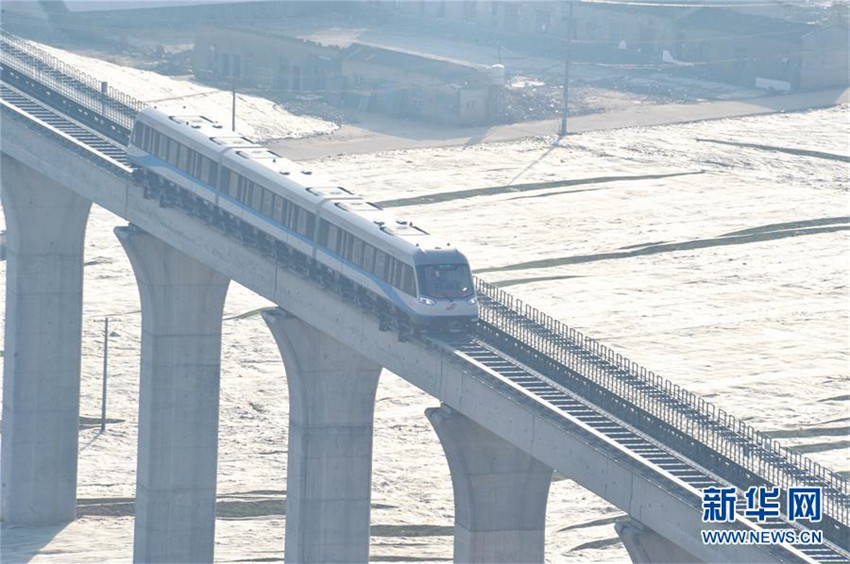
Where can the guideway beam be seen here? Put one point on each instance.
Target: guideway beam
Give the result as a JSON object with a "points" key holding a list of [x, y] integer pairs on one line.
{"points": [[329, 462], [500, 492], [46, 225], [182, 305]]}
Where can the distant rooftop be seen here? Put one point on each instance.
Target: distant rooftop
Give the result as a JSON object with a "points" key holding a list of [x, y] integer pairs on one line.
{"points": [[112, 5], [447, 70]]}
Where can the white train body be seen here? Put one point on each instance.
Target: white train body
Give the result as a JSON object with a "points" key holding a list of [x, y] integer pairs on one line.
{"points": [[425, 279]]}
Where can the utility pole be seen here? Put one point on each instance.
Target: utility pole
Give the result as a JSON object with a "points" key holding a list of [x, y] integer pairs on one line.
{"points": [[103, 391], [568, 54], [233, 107]]}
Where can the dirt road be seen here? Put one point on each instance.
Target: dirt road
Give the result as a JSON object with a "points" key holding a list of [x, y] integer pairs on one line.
{"points": [[377, 133]]}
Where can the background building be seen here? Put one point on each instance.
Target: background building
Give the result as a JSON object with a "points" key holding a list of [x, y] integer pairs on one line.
{"points": [[352, 74]]}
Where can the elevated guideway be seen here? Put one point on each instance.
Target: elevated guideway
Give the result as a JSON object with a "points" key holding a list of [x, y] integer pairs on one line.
{"points": [[642, 443]]}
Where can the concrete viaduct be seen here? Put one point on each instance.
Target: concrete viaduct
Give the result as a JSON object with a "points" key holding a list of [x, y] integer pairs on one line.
{"points": [[521, 397]]}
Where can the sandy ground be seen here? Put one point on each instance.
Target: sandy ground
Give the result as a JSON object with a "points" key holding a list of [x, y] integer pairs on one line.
{"points": [[721, 267]]}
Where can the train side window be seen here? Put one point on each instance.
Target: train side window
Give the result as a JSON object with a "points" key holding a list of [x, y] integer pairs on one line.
{"points": [[141, 135], [341, 243], [195, 164], [268, 203], [368, 257], [380, 264], [173, 151], [390, 271], [339, 246], [165, 148], [397, 273], [233, 190], [310, 229], [357, 256], [333, 233], [247, 192], [224, 180], [280, 209], [189, 162], [323, 233], [212, 175], [292, 216], [183, 158], [240, 189], [154, 149], [408, 285], [162, 149], [349, 246]]}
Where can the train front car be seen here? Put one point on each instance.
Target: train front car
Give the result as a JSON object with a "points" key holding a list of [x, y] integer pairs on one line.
{"points": [[446, 299]]}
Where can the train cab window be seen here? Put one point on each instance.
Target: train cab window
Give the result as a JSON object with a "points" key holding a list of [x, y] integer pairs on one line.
{"points": [[445, 281]]}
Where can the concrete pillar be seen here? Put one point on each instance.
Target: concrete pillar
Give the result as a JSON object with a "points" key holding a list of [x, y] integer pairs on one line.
{"points": [[645, 546], [500, 492], [329, 465], [182, 303], [46, 226]]}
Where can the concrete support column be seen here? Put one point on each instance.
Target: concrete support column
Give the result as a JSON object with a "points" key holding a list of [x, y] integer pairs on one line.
{"points": [[182, 304], [329, 465], [46, 226], [645, 546], [500, 492]]}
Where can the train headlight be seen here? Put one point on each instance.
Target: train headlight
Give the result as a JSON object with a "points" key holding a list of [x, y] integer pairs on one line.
{"points": [[472, 301], [427, 301]]}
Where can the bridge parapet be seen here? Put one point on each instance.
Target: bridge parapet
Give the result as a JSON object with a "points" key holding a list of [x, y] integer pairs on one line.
{"points": [[659, 408], [93, 101]]}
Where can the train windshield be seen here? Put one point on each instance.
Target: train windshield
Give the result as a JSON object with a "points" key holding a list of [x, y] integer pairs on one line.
{"points": [[445, 281]]}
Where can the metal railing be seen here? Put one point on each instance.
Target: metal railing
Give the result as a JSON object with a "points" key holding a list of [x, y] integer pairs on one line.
{"points": [[706, 423], [65, 80]]}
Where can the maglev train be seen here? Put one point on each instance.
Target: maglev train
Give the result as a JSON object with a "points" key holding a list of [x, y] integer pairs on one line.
{"points": [[335, 235]]}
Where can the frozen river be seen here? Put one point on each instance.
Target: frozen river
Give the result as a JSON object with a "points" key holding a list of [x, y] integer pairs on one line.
{"points": [[721, 267]]}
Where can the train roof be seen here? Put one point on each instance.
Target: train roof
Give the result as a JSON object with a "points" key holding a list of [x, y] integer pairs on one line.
{"points": [[240, 152]]}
